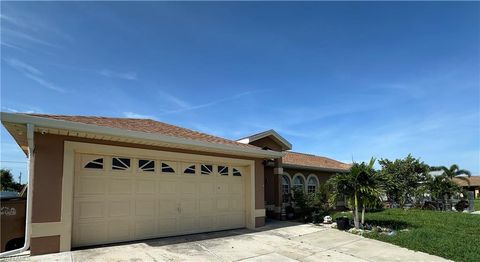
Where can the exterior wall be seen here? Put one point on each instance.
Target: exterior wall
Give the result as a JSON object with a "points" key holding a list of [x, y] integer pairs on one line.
{"points": [[44, 245], [274, 191], [321, 175], [267, 142], [48, 175]]}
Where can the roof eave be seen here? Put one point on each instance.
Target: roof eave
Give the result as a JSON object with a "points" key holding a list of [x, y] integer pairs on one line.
{"points": [[41, 122], [333, 170]]}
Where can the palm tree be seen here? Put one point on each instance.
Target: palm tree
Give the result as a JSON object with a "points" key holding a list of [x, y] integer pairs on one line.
{"points": [[453, 171], [444, 182], [359, 185]]}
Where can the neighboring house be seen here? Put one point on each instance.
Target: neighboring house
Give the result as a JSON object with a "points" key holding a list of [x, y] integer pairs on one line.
{"points": [[98, 180], [470, 184]]}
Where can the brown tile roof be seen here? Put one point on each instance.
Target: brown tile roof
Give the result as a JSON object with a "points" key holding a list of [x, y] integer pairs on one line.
{"points": [[307, 160], [474, 181], [145, 125]]}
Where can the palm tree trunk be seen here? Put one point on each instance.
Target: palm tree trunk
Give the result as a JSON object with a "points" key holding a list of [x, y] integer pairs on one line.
{"points": [[363, 214], [355, 216]]}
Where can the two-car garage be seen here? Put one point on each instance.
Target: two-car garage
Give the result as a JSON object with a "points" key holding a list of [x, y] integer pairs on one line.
{"points": [[123, 197]]}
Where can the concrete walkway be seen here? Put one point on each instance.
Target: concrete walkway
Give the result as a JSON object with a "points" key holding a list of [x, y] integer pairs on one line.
{"points": [[279, 241]]}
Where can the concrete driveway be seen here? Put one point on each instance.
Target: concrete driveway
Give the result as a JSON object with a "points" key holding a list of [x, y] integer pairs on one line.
{"points": [[278, 241]]}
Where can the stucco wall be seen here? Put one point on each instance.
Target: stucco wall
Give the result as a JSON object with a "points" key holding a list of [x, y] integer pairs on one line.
{"points": [[48, 172], [267, 142]]}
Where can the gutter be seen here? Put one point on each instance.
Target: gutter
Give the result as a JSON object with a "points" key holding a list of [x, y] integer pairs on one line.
{"points": [[40, 122], [315, 168], [28, 214]]}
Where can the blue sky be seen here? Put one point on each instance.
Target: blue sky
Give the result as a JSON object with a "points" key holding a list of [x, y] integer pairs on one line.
{"points": [[343, 80]]}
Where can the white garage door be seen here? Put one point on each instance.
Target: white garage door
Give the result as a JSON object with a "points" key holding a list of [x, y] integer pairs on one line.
{"points": [[123, 198]]}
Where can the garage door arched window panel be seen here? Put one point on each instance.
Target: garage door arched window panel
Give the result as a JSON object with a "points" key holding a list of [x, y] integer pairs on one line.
{"points": [[299, 182], [222, 170], [168, 168], [189, 169], [146, 165], [120, 163], [236, 172], [312, 184], [206, 169], [95, 164]]}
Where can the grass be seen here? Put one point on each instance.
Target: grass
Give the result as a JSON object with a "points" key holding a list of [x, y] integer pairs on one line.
{"points": [[477, 204], [450, 235]]}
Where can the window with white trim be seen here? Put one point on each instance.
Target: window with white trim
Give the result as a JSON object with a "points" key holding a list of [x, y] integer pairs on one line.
{"points": [[146, 165], [286, 188], [189, 170], [166, 168], [299, 182], [95, 164], [206, 169], [222, 170], [120, 163], [236, 172], [312, 184]]}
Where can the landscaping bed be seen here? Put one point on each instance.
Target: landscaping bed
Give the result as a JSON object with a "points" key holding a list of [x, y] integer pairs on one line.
{"points": [[451, 235]]}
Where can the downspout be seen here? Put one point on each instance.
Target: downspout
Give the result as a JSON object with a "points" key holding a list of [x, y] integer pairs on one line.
{"points": [[28, 215]]}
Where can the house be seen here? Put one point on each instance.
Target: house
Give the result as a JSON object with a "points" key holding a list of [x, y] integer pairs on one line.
{"points": [[97, 180], [470, 184]]}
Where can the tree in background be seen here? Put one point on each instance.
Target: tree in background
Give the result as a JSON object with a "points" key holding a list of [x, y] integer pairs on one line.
{"points": [[7, 182], [402, 178], [443, 184]]}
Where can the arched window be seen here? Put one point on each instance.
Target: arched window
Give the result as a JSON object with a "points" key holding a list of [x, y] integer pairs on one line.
{"points": [[299, 182], [286, 188], [312, 184]]}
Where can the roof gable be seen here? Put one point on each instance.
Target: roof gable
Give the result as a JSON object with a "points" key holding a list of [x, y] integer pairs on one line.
{"points": [[284, 144]]}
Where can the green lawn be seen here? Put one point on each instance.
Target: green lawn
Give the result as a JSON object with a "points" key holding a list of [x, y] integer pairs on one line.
{"points": [[477, 204], [450, 235]]}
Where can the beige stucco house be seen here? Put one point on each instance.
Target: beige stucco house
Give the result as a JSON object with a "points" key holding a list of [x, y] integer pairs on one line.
{"points": [[97, 180]]}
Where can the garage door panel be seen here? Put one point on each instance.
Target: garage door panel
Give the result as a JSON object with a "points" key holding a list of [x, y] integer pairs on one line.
{"points": [[114, 206], [167, 226], [119, 186], [86, 186], [186, 188], [145, 207], [206, 206], [206, 223], [145, 228], [168, 207], [188, 224], [90, 209], [91, 233], [118, 230], [145, 186], [222, 204], [119, 208], [206, 189], [188, 206], [167, 187]]}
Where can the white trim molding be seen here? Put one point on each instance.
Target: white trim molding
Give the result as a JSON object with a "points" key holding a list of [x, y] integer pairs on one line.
{"points": [[283, 142]]}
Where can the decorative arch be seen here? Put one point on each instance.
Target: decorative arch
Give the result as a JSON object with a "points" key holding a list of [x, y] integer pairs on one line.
{"points": [[299, 181], [312, 183], [286, 187]]}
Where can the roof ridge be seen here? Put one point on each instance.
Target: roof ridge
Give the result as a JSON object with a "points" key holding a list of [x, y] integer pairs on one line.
{"points": [[90, 116]]}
